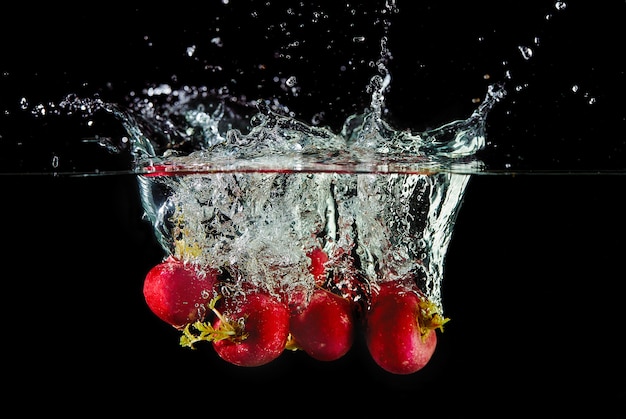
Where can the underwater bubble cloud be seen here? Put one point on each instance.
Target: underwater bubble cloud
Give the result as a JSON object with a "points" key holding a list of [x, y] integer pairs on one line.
{"points": [[352, 226]]}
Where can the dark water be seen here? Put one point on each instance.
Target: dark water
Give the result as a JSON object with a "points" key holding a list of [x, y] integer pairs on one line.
{"points": [[533, 271], [533, 289]]}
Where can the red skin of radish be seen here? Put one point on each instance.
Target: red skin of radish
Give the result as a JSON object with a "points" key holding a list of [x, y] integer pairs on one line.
{"points": [[393, 331], [325, 328], [266, 326], [296, 298], [318, 268], [176, 293]]}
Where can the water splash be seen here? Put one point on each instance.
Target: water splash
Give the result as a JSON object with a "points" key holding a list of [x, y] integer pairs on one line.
{"points": [[245, 187], [197, 129], [249, 189]]}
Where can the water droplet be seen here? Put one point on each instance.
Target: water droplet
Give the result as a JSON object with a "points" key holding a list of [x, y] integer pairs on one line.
{"points": [[163, 89], [575, 88], [291, 81], [191, 50], [391, 5], [55, 161], [560, 5], [317, 118], [527, 52], [40, 110]]}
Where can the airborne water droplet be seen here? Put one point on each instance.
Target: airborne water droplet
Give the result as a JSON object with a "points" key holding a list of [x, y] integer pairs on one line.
{"points": [[527, 52]]}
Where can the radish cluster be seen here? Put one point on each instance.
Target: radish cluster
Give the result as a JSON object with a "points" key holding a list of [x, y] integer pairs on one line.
{"points": [[255, 326]]}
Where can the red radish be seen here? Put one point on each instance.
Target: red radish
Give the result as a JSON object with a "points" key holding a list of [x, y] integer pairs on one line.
{"points": [[166, 170], [400, 325], [318, 264], [177, 293], [296, 298], [325, 328], [256, 329]]}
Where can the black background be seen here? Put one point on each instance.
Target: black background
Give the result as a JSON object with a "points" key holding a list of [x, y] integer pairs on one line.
{"points": [[533, 274]]}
